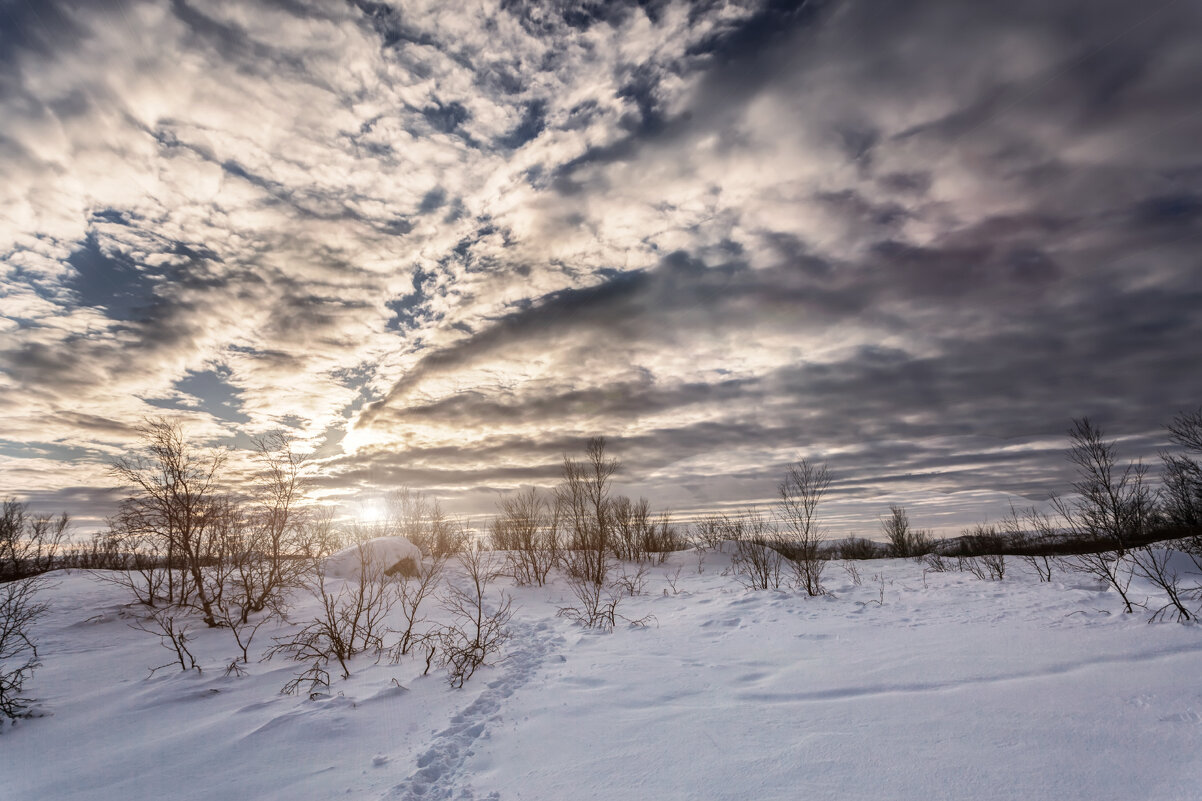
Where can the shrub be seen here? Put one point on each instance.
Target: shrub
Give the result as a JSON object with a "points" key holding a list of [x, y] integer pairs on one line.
{"points": [[477, 631]]}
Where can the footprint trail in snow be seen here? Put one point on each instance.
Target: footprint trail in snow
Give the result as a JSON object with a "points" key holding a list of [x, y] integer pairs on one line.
{"points": [[439, 767]]}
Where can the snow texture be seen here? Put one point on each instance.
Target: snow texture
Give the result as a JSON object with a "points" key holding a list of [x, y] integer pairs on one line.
{"points": [[909, 685]]}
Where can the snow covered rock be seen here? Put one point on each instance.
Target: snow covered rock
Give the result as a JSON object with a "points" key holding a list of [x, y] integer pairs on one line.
{"points": [[390, 555]]}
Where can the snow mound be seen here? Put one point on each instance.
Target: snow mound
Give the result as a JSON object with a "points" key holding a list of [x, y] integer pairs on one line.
{"points": [[383, 553]]}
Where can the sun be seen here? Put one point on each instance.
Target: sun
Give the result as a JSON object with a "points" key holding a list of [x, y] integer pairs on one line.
{"points": [[370, 511]]}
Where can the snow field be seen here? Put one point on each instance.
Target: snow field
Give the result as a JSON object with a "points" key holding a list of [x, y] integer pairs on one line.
{"points": [[951, 688]]}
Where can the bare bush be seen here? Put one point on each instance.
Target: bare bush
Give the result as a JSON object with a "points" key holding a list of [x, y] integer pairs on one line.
{"points": [[661, 538], [672, 579], [1156, 565], [641, 537], [905, 541], [709, 532], [352, 618], [801, 492], [858, 548], [138, 563], [937, 563], [757, 562], [477, 631], [992, 566], [412, 592], [421, 520], [980, 552], [852, 571], [632, 583], [527, 530], [20, 608], [596, 605], [1032, 535], [172, 631]]}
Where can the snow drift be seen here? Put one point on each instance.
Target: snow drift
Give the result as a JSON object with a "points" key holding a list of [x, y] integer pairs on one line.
{"points": [[388, 554]]}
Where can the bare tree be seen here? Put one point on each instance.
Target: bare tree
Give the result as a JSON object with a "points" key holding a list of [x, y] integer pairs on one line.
{"points": [[270, 541], [630, 522], [1113, 504], [29, 545], [1183, 473], [801, 492], [1111, 508], [586, 510], [20, 608], [174, 498], [138, 562]]}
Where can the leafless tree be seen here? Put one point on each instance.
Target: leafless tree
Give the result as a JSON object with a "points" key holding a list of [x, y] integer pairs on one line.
{"points": [[804, 487], [630, 522], [1111, 508], [1183, 473], [1113, 504], [527, 530], [708, 532], [20, 608], [584, 502], [478, 630], [270, 539], [174, 498], [29, 545], [138, 563]]}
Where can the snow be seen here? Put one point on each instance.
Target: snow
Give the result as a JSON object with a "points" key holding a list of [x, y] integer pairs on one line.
{"points": [[381, 553], [908, 686]]}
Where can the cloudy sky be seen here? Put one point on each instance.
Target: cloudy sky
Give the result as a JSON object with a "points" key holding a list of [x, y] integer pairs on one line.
{"points": [[443, 243]]}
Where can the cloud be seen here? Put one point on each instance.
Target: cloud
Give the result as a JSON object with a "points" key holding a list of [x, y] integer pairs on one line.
{"points": [[444, 245]]}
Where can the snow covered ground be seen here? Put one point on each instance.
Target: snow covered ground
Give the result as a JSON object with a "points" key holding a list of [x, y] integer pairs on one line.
{"points": [[950, 687]]}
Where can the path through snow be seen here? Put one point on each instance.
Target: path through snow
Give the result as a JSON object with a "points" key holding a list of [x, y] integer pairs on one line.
{"points": [[440, 767]]}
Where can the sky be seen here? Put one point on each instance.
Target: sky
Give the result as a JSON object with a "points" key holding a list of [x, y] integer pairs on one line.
{"points": [[442, 244]]}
